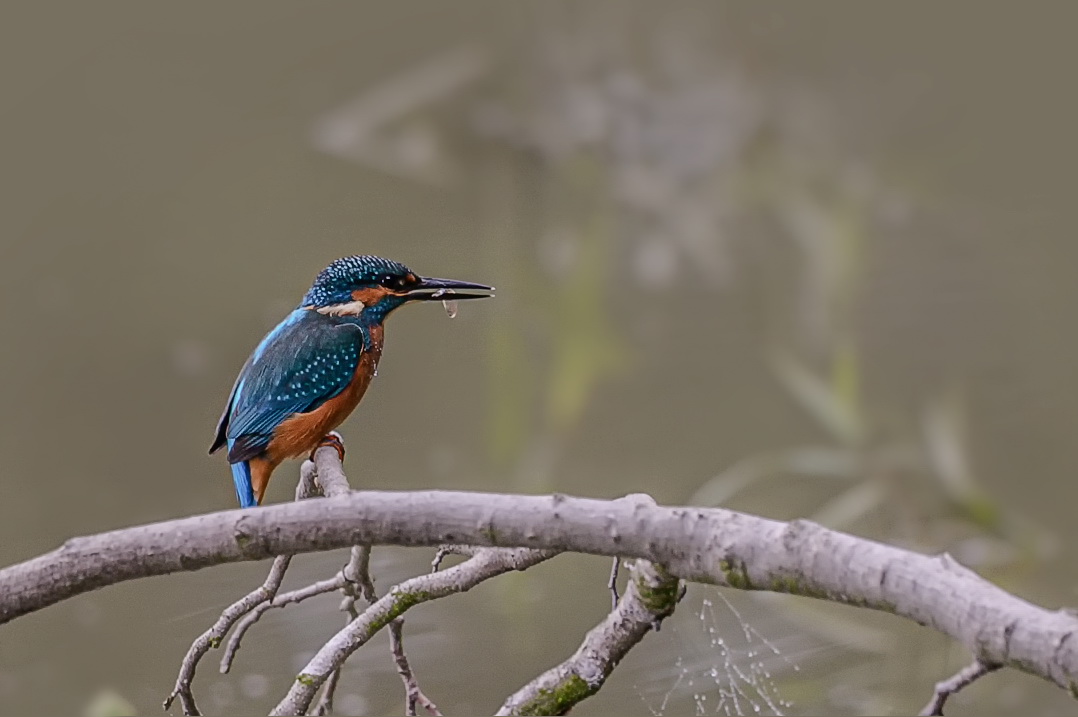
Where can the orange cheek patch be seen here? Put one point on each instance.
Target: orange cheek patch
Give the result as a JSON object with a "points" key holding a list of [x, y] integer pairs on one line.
{"points": [[370, 295]]}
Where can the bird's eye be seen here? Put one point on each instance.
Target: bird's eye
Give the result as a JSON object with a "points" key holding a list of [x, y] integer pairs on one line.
{"points": [[396, 283]]}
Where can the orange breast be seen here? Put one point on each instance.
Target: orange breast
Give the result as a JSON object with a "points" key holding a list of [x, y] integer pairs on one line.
{"points": [[300, 433]]}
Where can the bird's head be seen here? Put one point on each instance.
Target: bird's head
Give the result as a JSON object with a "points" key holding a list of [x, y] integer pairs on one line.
{"points": [[371, 286]]}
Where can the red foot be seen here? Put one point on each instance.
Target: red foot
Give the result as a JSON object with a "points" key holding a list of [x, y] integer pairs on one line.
{"points": [[333, 440]]}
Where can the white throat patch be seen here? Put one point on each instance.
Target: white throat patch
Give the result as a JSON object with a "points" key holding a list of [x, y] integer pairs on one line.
{"points": [[352, 308]]}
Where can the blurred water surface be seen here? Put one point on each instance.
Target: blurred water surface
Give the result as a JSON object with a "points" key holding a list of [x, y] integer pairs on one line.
{"points": [[804, 261]]}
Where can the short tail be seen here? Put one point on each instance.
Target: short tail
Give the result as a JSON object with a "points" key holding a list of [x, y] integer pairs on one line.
{"points": [[241, 476]]}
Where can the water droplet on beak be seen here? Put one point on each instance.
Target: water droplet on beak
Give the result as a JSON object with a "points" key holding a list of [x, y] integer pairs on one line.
{"points": [[449, 305]]}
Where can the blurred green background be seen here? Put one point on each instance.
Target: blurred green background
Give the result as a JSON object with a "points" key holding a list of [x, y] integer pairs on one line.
{"points": [[802, 260]]}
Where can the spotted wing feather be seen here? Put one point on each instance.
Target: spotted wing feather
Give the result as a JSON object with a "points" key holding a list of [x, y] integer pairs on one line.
{"points": [[307, 360]]}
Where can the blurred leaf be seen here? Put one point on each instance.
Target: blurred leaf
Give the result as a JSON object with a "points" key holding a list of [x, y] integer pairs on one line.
{"points": [[945, 445], [511, 395], [585, 345], [371, 129], [822, 462], [851, 233], [819, 399], [511, 392], [577, 369], [852, 504], [721, 488], [983, 510], [809, 462], [846, 378], [109, 703]]}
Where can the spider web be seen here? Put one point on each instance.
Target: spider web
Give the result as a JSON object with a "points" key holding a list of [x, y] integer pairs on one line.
{"points": [[720, 670]]}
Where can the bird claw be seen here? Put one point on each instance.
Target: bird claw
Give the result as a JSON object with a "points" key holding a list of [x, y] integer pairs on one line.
{"points": [[334, 441]]}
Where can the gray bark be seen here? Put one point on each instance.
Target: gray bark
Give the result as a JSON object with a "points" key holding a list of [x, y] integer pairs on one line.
{"points": [[715, 546]]}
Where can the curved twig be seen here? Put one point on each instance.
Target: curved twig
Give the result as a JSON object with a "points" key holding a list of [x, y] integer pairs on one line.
{"points": [[413, 696], [954, 684], [212, 637], [289, 598]]}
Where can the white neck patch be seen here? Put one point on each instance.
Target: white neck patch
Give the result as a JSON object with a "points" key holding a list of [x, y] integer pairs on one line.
{"points": [[352, 308]]}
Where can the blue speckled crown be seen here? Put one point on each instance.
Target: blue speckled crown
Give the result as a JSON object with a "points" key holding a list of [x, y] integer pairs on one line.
{"points": [[335, 283]]}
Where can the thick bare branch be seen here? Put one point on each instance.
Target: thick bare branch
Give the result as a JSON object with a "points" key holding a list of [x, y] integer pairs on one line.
{"points": [[651, 596], [423, 588], [704, 545]]}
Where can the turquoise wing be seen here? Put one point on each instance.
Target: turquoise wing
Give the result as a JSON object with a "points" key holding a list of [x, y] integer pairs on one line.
{"points": [[305, 361]]}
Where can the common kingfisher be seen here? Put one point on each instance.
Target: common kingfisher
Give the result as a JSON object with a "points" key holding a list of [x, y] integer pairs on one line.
{"points": [[309, 373]]}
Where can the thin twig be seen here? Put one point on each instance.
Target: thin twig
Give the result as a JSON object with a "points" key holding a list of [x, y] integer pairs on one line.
{"points": [[331, 477], [324, 706], [308, 478], [289, 598], [612, 583], [459, 578], [355, 573], [952, 685], [413, 695], [358, 572], [212, 637], [445, 551]]}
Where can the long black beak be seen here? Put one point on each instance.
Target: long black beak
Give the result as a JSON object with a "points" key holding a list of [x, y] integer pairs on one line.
{"points": [[449, 289]]}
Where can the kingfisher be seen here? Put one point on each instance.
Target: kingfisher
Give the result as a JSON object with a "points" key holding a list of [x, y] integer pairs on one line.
{"points": [[310, 372]]}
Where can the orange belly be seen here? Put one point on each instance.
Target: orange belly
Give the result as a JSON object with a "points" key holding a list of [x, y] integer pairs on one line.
{"points": [[301, 433]]}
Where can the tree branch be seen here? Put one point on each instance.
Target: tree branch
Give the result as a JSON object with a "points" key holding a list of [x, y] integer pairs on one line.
{"points": [[715, 546], [651, 596]]}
